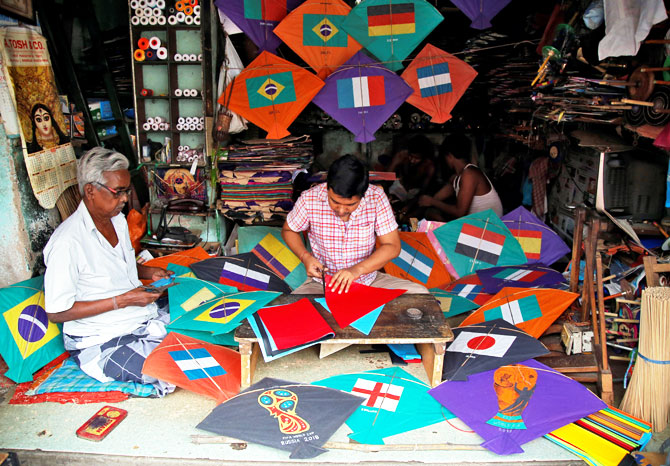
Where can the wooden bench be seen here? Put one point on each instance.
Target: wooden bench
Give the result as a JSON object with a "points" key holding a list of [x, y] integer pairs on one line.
{"points": [[430, 333]]}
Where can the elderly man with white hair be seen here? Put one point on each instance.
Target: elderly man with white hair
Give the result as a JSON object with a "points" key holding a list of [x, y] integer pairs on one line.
{"points": [[92, 286]]}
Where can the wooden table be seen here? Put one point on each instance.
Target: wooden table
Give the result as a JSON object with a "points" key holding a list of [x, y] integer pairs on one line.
{"points": [[430, 333]]}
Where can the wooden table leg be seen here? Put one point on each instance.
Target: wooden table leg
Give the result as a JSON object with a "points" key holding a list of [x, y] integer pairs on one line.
{"points": [[248, 357], [577, 237], [432, 356]]}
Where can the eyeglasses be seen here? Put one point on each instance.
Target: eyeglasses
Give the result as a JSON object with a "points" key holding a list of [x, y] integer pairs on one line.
{"points": [[117, 193]]}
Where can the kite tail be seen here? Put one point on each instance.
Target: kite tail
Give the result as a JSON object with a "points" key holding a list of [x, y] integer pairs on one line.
{"points": [[481, 22]]}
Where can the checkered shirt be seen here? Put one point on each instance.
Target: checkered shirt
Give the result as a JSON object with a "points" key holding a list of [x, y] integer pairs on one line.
{"points": [[340, 245]]}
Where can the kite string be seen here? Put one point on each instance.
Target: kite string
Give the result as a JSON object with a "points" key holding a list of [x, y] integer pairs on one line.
{"points": [[481, 238], [481, 342]]}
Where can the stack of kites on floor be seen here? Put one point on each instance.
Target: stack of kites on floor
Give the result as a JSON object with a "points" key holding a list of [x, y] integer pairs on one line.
{"points": [[255, 178]]}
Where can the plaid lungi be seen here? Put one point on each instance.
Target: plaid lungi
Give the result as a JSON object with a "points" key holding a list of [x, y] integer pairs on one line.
{"points": [[122, 357]]}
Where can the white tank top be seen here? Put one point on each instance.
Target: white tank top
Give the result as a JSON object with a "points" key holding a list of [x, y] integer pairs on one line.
{"points": [[490, 200]]}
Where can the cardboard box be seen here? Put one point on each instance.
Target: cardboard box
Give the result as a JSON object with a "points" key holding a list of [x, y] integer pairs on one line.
{"points": [[100, 109]]}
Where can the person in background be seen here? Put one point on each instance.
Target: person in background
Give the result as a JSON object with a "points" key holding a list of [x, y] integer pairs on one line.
{"points": [[344, 218], [46, 132], [472, 189], [92, 286]]}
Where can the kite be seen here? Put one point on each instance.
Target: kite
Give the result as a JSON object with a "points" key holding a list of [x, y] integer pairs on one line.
{"points": [[478, 241], [533, 310], [182, 258], [521, 276], [194, 365], [540, 243], [271, 92], [439, 80], [427, 227], [295, 324], [418, 262], [245, 272], [189, 293], [289, 416], [391, 29], [395, 402], [488, 345], [314, 31], [225, 314], [361, 95], [516, 403], [258, 18], [606, 437], [359, 301], [268, 245], [468, 287], [28, 340], [452, 304], [365, 323], [480, 12]]}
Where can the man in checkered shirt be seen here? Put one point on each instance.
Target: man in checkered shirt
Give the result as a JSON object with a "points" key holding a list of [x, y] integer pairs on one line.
{"points": [[344, 218]]}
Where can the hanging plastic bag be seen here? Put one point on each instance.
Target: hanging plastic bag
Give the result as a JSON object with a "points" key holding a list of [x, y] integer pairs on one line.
{"points": [[230, 68], [137, 227]]}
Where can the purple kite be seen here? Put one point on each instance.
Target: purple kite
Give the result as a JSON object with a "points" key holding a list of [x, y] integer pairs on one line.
{"points": [[540, 243], [361, 95], [516, 403], [258, 18], [480, 11], [518, 276]]}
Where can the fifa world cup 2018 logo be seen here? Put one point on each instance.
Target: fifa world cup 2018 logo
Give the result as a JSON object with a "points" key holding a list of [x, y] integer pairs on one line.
{"points": [[281, 404], [514, 385]]}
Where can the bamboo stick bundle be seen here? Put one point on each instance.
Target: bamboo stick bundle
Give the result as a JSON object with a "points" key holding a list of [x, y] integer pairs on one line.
{"points": [[648, 395]]}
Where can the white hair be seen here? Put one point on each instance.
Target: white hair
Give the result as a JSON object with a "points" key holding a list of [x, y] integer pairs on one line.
{"points": [[95, 162]]}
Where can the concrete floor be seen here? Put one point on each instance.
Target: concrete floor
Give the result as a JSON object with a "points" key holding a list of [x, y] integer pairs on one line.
{"points": [[159, 431]]}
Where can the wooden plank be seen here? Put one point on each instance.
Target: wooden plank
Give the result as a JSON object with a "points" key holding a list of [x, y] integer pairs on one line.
{"points": [[605, 382], [584, 377], [585, 362], [576, 248]]}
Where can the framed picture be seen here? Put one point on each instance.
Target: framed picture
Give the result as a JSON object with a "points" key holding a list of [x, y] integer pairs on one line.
{"points": [[20, 9]]}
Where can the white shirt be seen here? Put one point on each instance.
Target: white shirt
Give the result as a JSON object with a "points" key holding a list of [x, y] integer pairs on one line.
{"points": [[83, 266]]}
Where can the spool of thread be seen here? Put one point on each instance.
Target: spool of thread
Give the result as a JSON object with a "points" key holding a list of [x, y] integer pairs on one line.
{"points": [[163, 126], [180, 127], [134, 4], [190, 120], [177, 92], [147, 11], [162, 20], [180, 16], [143, 43], [196, 9], [180, 5], [135, 20], [146, 126], [199, 57], [192, 57], [191, 127], [158, 119], [156, 12], [181, 120], [180, 149], [154, 42], [142, 3], [171, 10], [177, 57], [153, 20], [139, 55], [199, 127], [139, 12], [150, 55], [187, 93], [188, 20], [201, 120], [144, 21], [154, 127], [172, 20], [160, 4], [196, 20], [146, 92], [194, 93], [162, 53], [151, 3]]}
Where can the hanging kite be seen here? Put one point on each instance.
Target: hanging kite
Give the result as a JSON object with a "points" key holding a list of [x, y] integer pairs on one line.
{"points": [[533, 310], [488, 345], [314, 31], [268, 245], [418, 262], [257, 18], [479, 11], [478, 241], [521, 276], [540, 243], [225, 314], [28, 340], [359, 301], [439, 80], [391, 29], [245, 272], [395, 402], [289, 416], [468, 287], [361, 95], [516, 403], [452, 304], [271, 92], [194, 365]]}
